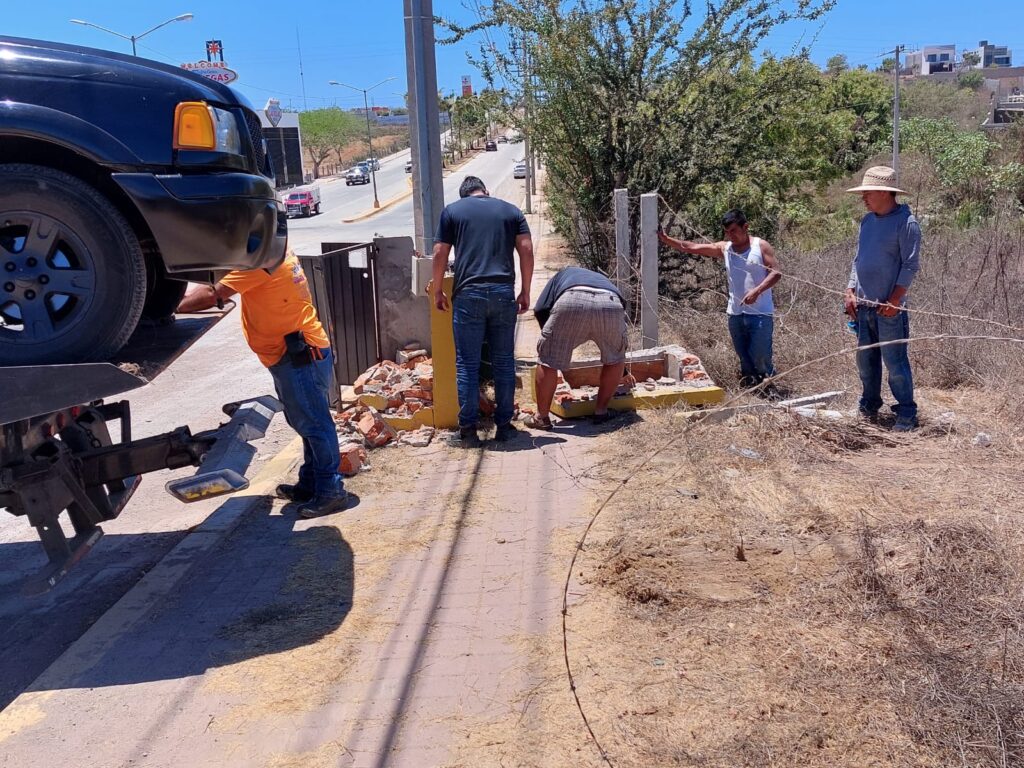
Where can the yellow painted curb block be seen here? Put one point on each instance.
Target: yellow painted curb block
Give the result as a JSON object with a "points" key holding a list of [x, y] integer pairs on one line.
{"points": [[383, 207]]}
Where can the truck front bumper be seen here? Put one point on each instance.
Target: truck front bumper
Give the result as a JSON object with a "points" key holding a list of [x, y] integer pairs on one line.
{"points": [[219, 221]]}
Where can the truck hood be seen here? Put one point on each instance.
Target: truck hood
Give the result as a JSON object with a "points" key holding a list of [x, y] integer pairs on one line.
{"points": [[59, 60]]}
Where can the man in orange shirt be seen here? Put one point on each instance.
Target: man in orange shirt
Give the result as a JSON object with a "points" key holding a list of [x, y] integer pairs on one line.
{"points": [[282, 328]]}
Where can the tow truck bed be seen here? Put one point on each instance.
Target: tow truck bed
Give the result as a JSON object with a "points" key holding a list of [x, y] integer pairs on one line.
{"points": [[56, 451], [36, 390]]}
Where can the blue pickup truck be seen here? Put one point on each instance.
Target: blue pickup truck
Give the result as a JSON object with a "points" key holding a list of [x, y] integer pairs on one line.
{"points": [[120, 180]]}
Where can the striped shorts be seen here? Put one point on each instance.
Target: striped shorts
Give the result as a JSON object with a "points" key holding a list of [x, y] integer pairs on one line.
{"points": [[581, 315]]}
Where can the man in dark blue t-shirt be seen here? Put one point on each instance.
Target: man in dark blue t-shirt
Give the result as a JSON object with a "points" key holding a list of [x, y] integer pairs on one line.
{"points": [[485, 232]]}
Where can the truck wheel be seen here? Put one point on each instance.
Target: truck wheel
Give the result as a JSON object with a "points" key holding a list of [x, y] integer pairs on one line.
{"points": [[72, 274], [318, 209], [163, 295]]}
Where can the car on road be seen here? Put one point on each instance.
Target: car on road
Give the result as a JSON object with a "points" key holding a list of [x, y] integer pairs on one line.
{"points": [[503, 139], [121, 179], [408, 166], [491, 146], [372, 163], [357, 175], [303, 202], [519, 170]]}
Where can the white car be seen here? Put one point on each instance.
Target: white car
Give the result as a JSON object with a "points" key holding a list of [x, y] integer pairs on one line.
{"points": [[519, 170], [372, 163]]}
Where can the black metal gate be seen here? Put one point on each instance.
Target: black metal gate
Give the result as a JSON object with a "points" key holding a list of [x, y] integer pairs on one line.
{"points": [[342, 280]]}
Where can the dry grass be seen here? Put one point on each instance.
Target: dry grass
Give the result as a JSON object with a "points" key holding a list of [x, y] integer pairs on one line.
{"points": [[847, 597]]}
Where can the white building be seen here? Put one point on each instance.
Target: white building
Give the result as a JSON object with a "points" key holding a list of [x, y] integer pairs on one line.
{"points": [[991, 55], [932, 59]]}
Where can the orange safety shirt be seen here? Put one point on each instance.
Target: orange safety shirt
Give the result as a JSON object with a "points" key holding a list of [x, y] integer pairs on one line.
{"points": [[275, 305]]}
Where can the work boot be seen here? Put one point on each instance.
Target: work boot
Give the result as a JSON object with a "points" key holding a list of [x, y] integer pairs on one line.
{"points": [[466, 438], [505, 433], [905, 424], [293, 492], [871, 417], [325, 505]]}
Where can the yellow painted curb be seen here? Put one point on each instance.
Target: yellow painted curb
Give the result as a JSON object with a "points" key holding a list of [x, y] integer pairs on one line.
{"points": [[383, 206]]}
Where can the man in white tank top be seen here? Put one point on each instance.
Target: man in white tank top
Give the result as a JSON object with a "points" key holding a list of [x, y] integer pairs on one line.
{"points": [[751, 269]]}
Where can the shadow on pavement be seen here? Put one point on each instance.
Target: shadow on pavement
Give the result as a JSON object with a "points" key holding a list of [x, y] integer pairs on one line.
{"points": [[35, 630], [525, 441], [270, 586]]}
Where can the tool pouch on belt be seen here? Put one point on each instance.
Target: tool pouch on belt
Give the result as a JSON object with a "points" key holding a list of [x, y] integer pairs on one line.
{"points": [[298, 351]]}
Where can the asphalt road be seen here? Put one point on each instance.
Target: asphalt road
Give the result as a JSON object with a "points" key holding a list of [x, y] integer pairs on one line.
{"points": [[219, 368], [339, 202]]}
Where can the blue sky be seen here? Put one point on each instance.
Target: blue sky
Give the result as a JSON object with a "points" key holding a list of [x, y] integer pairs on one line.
{"points": [[362, 41]]}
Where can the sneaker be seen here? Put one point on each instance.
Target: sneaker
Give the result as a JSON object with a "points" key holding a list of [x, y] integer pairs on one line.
{"points": [[505, 433], [466, 438], [905, 424], [325, 505], [293, 492]]}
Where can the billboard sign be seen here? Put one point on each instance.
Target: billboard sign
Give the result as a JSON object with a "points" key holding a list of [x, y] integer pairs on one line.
{"points": [[467, 85], [273, 111], [214, 70]]}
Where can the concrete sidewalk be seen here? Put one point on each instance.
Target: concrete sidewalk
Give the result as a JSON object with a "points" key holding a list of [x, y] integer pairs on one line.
{"points": [[388, 635]]}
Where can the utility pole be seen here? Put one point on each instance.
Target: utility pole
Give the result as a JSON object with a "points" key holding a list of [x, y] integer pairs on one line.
{"points": [[526, 126], [302, 76], [896, 112], [533, 144], [424, 124], [369, 136]]}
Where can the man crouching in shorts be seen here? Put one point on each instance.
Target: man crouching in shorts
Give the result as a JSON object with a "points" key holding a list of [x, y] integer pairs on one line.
{"points": [[578, 306]]}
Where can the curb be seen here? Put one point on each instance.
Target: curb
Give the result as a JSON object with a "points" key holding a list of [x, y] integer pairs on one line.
{"points": [[163, 578], [383, 207]]}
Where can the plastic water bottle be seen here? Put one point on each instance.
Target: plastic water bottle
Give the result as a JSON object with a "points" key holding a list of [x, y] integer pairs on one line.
{"points": [[851, 325]]}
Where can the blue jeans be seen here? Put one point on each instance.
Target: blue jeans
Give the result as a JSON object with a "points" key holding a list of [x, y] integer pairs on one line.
{"points": [[485, 311], [872, 328], [752, 340], [303, 390]]}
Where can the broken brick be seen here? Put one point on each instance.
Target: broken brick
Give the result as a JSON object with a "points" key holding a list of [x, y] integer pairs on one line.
{"points": [[353, 456], [414, 361], [375, 430]]}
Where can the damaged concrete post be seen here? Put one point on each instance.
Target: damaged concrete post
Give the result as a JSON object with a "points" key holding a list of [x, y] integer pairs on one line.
{"points": [[402, 315], [649, 269], [620, 269]]}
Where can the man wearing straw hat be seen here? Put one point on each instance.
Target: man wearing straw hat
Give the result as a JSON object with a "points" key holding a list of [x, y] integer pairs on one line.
{"points": [[888, 255]]}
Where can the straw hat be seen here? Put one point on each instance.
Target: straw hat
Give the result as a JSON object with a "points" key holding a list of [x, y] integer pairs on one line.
{"points": [[881, 178]]}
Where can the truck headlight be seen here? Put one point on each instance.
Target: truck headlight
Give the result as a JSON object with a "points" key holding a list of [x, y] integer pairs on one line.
{"points": [[197, 125]]}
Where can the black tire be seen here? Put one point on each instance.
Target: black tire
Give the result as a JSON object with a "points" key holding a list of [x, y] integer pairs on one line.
{"points": [[163, 295], [317, 211], [82, 245]]}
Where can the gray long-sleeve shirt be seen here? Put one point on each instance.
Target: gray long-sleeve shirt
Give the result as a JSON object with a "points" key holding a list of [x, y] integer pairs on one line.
{"points": [[888, 254]]}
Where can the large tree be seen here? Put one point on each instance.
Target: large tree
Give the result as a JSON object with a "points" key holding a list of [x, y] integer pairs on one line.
{"points": [[642, 94], [325, 131]]}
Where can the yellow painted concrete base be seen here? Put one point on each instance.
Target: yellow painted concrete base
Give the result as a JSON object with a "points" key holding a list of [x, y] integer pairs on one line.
{"points": [[663, 358], [639, 400], [444, 413]]}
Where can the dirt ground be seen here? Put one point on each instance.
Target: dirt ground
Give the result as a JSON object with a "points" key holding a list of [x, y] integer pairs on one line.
{"points": [[773, 591]]}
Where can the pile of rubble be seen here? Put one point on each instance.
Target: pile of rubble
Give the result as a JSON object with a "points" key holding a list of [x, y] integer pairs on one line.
{"points": [[392, 389], [398, 389], [687, 367]]}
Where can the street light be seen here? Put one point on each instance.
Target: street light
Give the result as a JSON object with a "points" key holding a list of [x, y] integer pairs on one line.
{"points": [[369, 137], [133, 38]]}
